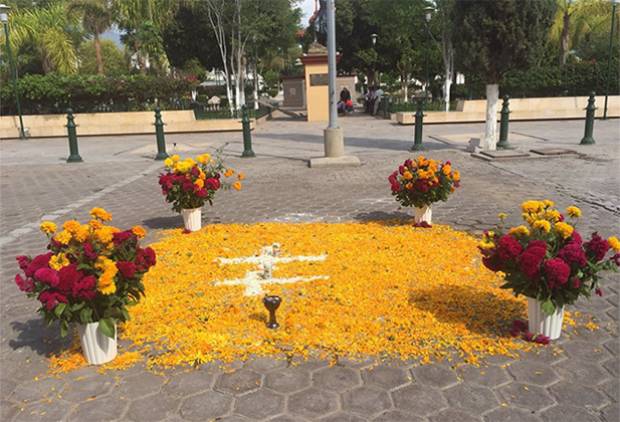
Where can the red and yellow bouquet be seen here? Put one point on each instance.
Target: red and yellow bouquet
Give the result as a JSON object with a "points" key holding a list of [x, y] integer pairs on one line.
{"points": [[546, 258], [422, 181], [189, 183], [91, 274]]}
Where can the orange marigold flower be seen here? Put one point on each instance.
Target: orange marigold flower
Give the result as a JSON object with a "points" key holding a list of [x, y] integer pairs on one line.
{"points": [[101, 214], [229, 172], [138, 231], [237, 185]]}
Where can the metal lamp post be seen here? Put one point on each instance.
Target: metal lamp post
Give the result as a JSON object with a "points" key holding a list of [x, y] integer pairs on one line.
{"points": [[4, 18], [614, 3]]}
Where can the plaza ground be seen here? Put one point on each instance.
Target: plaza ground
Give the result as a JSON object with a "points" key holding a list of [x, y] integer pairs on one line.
{"points": [[575, 379]]}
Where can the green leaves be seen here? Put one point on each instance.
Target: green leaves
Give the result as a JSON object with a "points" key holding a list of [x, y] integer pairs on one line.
{"points": [[548, 307], [107, 327]]}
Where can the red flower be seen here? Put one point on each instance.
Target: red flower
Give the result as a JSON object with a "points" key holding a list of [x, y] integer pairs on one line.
{"points": [[212, 183], [120, 237], [492, 263], [23, 261], [542, 339], [576, 283], [576, 237], [597, 247], [531, 258], [47, 276], [573, 254], [408, 163], [127, 269], [508, 248], [195, 171], [401, 170], [598, 292], [68, 275], [187, 186], [557, 272], [50, 299], [26, 285], [89, 251], [202, 193], [85, 288], [38, 262], [145, 258]]}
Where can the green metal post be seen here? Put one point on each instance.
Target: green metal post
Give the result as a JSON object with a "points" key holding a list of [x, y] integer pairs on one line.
{"points": [[159, 134], [247, 134], [611, 43], [503, 126], [419, 122], [22, 133], [74, 155], [590, 109]]}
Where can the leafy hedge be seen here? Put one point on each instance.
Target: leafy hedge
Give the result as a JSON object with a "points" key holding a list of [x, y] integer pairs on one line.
{"points": [[51, 93], [548, 81]]}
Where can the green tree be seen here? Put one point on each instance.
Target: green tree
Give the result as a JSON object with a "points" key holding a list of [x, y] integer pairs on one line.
{"points": [[96, 19], [114, 60], [495, 37]]}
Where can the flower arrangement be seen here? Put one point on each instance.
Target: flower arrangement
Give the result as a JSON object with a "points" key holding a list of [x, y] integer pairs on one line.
{"points": [[547, 259], [422, 181], [189, 183], [91, 273]]}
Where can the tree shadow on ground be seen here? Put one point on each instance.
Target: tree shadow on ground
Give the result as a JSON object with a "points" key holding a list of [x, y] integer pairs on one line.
{"points": [[395, 218], [171, 222], [37, 336], [482, 312]]}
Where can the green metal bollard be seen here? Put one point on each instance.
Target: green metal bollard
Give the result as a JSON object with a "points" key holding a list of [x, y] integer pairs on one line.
{"points": [[590, 109], [503, 126], [419, 122], [74, 155], [247, 134], [159, 134]]}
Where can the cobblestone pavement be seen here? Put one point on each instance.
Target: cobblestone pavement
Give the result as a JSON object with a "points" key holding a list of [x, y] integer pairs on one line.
{"points": [[576, 379]]}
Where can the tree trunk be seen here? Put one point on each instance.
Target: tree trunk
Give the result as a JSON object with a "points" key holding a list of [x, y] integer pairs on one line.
{"points": [[446, 89], [564, 38], [255, 72], [98, 57], [490, 128], [406, 89]]}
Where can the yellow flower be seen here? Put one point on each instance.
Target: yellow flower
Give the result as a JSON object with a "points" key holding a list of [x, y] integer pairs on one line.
{"points": [[203, 158], [101, 214], [138, 231], [95, 224], [59, 261], [520, 230], [64, 237], [407, 175], [565, 230], [48, 227], [199, 183], [71, 226], [168, 162], [422, 161], [486, 245], [175, 158], [202, 175], [456, 176], [542, 225], [237, 185], [81, 234], [532, 206], [229, 172], [573, 211], [614, 243], [552, 215], [490, 234], [547, 203], [409, 186], [502, 216], [241, 176], [105, 234], [106, 284]]}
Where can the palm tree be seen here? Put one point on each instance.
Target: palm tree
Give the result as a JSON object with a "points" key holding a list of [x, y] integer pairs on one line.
{"points": [[48, 30], [96, 18]]}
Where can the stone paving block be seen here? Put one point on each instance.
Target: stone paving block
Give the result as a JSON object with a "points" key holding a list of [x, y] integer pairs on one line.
{"points": [[548, 355], [336, 378], [99, 410], [259, 404], [43, 411], [510, 414], [366, 400], [612, 389], [313, 403], [580, 372], [611, 413], [89, 388], [205, 406], [235, 418], [152, 408], [587, 351], [474, 399], [140, 385], [342, 417], [31, 391], [486, 376], [397, 416], [613, 366], [613, 345], [288, 380], [435, 375], [189, 382], [567, 413], [238, 382], [526, 396], [578, 395], [533, 373], [7, 410], [263, 365], [386, 376], [454, 415], [419, 399]]}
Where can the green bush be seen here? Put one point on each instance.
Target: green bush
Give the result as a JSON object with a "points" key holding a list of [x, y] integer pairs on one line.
{"points": [[52, 93]]}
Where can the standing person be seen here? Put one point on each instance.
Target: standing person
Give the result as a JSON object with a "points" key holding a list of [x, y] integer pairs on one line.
{"points": [[370, 95], [377, 100]]}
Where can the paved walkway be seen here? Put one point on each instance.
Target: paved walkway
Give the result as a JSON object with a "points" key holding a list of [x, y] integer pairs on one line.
{"points": [[575, 380]]}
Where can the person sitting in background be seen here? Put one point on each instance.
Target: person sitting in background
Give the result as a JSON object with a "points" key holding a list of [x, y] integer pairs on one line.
{"points": [[345, 104]]}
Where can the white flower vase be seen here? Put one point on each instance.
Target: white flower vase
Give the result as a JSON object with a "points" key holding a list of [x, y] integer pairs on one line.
{"points": [[192, 219], [541, 323], [424, 213], [96, 346]]}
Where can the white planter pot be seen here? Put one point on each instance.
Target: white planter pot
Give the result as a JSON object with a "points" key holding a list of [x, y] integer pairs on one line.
{"points": [[192, 219], [424, 213], [541, 323], [96, 346]]}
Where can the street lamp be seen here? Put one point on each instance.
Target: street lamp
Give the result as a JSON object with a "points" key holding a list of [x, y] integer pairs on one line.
{"points": [[373, 37], [614, 3], [4, 18]]}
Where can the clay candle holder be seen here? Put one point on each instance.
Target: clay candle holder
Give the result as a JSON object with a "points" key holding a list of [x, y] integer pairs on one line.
{"points": [[272, 303]]}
